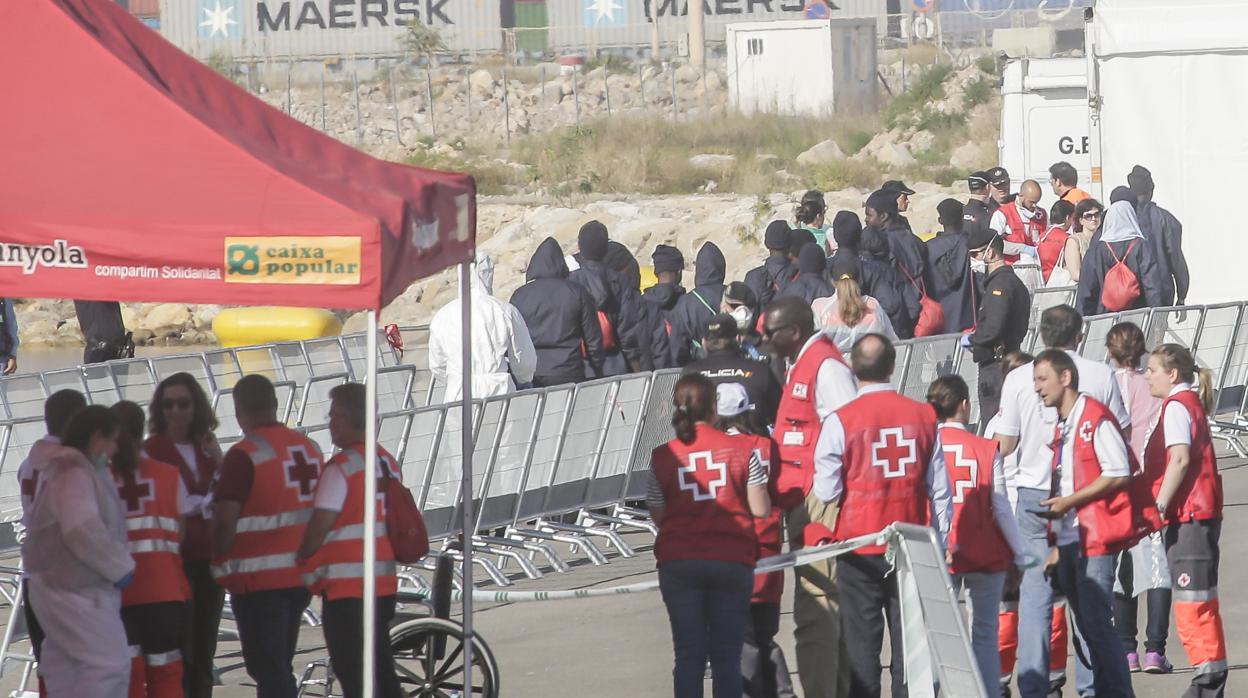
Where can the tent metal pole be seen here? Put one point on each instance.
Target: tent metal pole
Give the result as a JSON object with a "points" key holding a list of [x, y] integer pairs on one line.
{"points": [[465, 487], [370, 507]]}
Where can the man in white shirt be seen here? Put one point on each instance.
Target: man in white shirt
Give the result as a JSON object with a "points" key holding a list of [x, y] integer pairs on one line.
{"points": [[1025, 427], [1083, 570]]}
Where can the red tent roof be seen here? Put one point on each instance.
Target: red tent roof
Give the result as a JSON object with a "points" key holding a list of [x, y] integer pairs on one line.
{"points": [[133, 172]]}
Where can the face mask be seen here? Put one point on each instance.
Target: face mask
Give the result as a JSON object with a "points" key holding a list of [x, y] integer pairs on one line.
{"points": [[978, 266], [100, 461], [744, 317]]}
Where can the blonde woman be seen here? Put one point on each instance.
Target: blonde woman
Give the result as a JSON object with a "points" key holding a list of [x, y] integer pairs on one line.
{"points": [[849, 314]]}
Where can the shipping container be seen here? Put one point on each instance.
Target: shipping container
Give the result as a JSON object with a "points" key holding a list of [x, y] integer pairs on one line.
{"points": [[967, 19], [310, 29]]}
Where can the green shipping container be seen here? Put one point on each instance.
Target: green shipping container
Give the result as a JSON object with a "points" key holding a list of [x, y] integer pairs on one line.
{"points": [[531, 26]]}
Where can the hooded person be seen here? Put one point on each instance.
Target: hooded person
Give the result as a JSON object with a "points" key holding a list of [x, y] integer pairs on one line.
{"points": [[1165, 235], [605, 287], [669, 267], [503, 357], [906, 250], [1119, 239], [697, 307], [561, 319], [648, 327], [766, 279], [809, 282], [849, 313], [953, 284], [876, 276]]}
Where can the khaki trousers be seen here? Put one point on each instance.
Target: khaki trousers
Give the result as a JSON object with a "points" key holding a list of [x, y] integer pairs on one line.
{"points": [[822, 662]]}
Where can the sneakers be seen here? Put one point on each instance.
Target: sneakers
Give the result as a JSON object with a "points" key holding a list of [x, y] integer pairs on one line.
{"points": [[1133, 661], [1156, 663]]}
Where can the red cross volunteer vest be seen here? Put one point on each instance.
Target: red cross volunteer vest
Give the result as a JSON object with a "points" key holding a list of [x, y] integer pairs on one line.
{"points": [[1199, 496], [1118, 521], [706, 514], [337, 569], [150, 499], [976, 543], [270, 527], [888, 446], [1023, 232], [798, 424]]}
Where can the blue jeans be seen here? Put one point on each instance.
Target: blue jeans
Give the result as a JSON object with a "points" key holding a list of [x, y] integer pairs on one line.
{"points": [[1035, 600], [1088, 583], [708, 604], [985, 590]]}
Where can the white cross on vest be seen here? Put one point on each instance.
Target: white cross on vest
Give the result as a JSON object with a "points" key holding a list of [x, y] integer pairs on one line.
{"points": [[894, 457], [702, 460]]}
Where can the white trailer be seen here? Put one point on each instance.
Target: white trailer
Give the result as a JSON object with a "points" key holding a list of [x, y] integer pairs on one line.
{"points": [[1166, 81], [1044, 119]]}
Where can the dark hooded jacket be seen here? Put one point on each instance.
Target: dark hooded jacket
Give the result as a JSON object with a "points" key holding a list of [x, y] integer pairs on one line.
{"points": [[696, 308], [885, 283], [907, 250], [1099, 260], [647, 338], [765, 280], [560, 316], [606, 287], [664, 297], [809, 282], [953, 284], [1165, 235]]}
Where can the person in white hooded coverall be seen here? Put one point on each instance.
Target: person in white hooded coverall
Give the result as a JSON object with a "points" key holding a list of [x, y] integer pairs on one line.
{"points": [[502, 350], [78, 559]]}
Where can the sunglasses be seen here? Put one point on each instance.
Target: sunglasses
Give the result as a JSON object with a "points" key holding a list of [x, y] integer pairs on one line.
{"points": [[176, 403], [769, 332], [1091, 215]]}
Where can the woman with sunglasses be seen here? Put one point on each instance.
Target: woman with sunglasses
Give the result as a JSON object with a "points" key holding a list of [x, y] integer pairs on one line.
{"points": [[1088, 216], [181, 424]]}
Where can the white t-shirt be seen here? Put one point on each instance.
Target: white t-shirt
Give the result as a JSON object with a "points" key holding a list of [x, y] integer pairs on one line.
{"points": [[185, 504], [331, 489], [187, 451], [1023, 415], [835, 384], [1111, 455], [1177, 421]]}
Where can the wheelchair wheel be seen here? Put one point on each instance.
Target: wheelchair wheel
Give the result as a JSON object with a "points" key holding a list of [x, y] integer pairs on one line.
{"points": [[429, 659]]}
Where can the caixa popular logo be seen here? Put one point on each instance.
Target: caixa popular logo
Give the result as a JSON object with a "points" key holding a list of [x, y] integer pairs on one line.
{"points": [[292, 260], [57, 255]]}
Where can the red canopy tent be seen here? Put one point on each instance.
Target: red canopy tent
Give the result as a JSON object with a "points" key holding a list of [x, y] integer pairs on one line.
{"points": [[133, 172]]}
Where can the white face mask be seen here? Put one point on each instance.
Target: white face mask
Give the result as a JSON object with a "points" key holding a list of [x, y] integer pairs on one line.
{"points": [[744, 317], [978, 266]]}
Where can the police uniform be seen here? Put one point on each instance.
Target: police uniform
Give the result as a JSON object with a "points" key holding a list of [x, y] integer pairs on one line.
{"points": [[1000, 326], [733, 366], [975, 209]]}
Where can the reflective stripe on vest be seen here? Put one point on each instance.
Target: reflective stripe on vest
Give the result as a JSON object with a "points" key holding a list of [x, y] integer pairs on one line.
{"points": [[248, 565], [347, 571], [152, 523], [154, 545], [251, 524], [163, 658], [353, 532]]}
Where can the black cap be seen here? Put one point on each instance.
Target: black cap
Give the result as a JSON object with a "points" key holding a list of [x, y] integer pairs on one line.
{"points": [[667, 258], [898, 186], [844, 266], [1140, 180], [592, 241], [978, 232], [883, 201], [721, 326], [798, 239], [1126, 194], [949, 211], [738, 293], [999, 177], [976, 181], [777, 235]]}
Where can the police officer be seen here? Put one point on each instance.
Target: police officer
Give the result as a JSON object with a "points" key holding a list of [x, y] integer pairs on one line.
{"points": [[979, 205], [1004, 309], [725, 362], [999, 185]]}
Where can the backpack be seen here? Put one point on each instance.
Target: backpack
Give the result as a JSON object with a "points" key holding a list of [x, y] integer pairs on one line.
{"points": [[608, 332], [931, 320], [405, 526], [1121, 288]]}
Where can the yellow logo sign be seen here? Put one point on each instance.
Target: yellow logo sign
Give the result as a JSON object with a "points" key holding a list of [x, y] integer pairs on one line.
{"points": [[292, 260]]}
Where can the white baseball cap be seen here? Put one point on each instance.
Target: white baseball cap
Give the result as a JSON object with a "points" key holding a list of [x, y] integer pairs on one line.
{"points": [[732, 399]]}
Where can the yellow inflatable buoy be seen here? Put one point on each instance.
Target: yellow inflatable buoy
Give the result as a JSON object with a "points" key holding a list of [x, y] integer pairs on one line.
{"points": [[648, 278], [240, 327]]}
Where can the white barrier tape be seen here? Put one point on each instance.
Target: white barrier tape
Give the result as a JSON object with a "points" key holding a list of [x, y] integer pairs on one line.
{"points": [[775, 563]]}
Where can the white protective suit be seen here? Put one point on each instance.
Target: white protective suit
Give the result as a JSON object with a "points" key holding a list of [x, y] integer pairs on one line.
{"points": [[75, 552], [502, 350]]}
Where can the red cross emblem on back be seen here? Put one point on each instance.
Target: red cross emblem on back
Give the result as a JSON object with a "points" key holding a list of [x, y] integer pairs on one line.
{"points": [[893, 452], [302, 472], [703, 461], [137, 492]]}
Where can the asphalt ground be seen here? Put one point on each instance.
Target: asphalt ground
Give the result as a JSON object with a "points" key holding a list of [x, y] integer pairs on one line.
{"points": [[620, 646]]}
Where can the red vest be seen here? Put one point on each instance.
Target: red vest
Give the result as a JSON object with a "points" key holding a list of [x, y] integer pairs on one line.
{"points": [[1118, 521], [1050, 248], [337, 569], [888, 447], [150, 498], [797, 424], [975, 541], [270, 527], [768, 588], [1199, 497], [1023, 232], [706, 513]]}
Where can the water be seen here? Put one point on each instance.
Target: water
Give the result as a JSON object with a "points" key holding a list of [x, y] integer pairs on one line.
{"points": [[38, 359]]}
